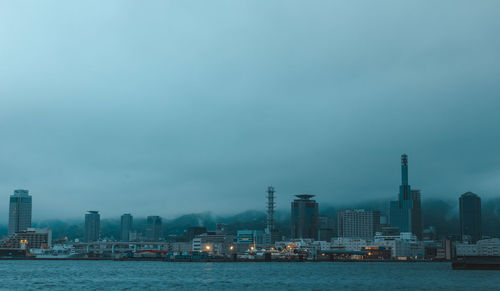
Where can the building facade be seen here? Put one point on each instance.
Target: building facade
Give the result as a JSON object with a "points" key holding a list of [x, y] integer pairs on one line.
{"points": [[153, 228], [250, 237], [485, 247], [326, 229], [19, 211], [406, 212], [358, 223], [470, 217], [36, 238], [126, 226], [305, 217], [215, 242], [92, 226]]}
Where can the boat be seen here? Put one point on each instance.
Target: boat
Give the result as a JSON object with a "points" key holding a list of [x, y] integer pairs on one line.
{"points": [[13, 253], [476, 263], [56, 252]]}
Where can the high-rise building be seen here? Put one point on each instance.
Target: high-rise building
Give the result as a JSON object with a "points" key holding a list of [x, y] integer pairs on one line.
{"points": [[126, 226], [92, 226], [305, 217], [416, 214], [326, 230], [19, 211], [153, 228], [405, 213], [470, 217], [358, 223]]}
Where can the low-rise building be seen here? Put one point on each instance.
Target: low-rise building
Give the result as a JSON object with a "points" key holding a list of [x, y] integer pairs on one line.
{"points": [[405, 246], [485, 247], [32, 238], [215, 242]]}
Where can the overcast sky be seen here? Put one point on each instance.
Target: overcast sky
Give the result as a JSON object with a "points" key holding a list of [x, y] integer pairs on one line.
{"points": [[172, 107]]}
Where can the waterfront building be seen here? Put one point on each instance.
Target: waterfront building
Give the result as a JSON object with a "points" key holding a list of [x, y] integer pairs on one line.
{"points": [[470, 217], [403, 246], [485, 247], [126, 226], [245, 237], [153, 228], [31, 238], [36, 238], [19, 211], [349, 244], [92, 226], [358, 223], [215, 242], [250, 237], [406, 212], [305, 217]]}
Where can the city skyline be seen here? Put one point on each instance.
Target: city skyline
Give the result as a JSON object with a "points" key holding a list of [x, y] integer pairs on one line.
{"points": [[404, 216]]}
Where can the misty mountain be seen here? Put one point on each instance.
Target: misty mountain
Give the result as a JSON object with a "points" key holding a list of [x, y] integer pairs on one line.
{"points": [[441, 214]]}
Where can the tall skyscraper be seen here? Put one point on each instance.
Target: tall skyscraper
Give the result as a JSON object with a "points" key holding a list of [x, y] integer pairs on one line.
{"points": [[126, 226], [305, 217], [153, 228], [470, 217], [358, 223], [326, 230], [270, 209], [92, 226], [405, 213], [416, 214], [19, 211]]}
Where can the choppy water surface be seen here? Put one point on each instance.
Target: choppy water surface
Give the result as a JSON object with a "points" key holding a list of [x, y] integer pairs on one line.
{"points": [[115, 275]]}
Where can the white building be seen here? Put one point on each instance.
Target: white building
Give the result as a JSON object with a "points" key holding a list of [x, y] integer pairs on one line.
{"points": [[403, 246], [350, 244], [485, 247], [358, 223]]}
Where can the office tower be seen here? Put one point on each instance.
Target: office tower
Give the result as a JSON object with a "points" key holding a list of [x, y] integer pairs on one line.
{"points": [[153, 228], [326, 230], [416, 214], [19, 211], [305, 217], [126, 227], [470, 217], [405, 213], [358, 223], [92, 226]]}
